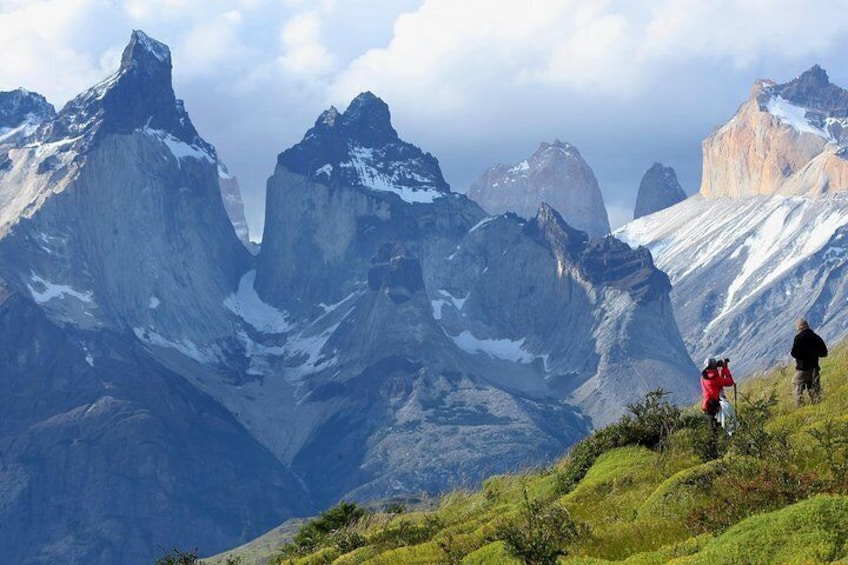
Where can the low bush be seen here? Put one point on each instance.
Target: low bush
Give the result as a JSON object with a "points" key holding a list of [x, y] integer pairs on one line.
{"points": [[540, 533], [327, 526], [406, 532]]}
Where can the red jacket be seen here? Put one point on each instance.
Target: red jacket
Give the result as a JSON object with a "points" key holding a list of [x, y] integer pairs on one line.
{"points": [[712, 381]]}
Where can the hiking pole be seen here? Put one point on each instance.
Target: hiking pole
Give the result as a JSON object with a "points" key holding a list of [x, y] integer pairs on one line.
{"points": [[735, 401]]}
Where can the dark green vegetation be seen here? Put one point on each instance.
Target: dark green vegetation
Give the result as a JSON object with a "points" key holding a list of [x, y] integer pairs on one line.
{"points": [[656, 487]]}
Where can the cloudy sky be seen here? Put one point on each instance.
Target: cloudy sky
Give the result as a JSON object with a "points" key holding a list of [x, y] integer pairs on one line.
{"points": [[474, 82]]}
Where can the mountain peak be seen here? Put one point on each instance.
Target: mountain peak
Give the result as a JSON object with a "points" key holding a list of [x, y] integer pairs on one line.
{"points": [[144, 51], [20, 106], [560, 148], [139, 95], [549, 228], [368, 120], [328, 117], [359, 147], [811, 90], [815, 77], [555, 174]]}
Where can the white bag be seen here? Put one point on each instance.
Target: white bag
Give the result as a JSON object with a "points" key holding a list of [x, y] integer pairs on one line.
{"points": [[726, 416]]}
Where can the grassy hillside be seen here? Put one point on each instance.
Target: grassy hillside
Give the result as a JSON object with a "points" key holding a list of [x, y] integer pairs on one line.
{"points": [[653, 488]]}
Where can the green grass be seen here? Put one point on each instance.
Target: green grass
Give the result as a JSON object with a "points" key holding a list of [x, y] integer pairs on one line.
{"points": [[776, 493]]}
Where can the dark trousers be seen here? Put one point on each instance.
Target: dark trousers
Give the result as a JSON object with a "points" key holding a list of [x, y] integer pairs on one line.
{"points": [[809, 380]]}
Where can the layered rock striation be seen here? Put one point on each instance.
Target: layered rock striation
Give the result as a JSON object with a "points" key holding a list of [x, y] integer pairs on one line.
{"points": [[787, 139]]}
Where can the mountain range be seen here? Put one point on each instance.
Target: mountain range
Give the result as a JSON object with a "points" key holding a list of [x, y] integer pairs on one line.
{"points": [[764, 242], [164, 383]]}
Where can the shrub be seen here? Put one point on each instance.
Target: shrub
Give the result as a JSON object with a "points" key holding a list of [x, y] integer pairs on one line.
{"points": [[178, 557], [452, 554], [832, 437], [405, 532], [315, 532], [650, 422], [540, 533], [751, 437]]}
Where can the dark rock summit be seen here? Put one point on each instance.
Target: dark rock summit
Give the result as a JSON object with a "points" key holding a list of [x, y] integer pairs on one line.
{"points": [[602, 262], [812, 90], [361, 148], [22, 106], [658, 190], [139, 95]]}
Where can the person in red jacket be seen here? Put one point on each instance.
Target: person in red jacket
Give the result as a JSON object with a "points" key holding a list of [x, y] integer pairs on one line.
{"points": [[715, 376]]}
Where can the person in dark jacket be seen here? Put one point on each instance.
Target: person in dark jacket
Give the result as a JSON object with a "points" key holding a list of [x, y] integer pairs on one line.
{"points": [[806, 349]]}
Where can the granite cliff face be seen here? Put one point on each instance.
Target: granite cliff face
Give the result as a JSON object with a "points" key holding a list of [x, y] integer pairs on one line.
{"points": [[233, 204], [105, 455], [114, 242], [658, 190], [788, 139], [763, 244], [556, 174]]}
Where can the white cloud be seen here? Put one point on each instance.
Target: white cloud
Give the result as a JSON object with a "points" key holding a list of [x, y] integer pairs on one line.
{"points": [[211, 45], [459, 51], [48, 45], [303, 51], [742, 31]]}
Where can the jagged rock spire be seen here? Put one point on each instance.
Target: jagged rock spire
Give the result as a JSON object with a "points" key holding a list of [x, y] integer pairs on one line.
{"points": [[658, 190], [140, 94]]}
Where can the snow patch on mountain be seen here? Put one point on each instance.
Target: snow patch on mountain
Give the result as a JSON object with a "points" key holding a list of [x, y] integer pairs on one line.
{"points": [[446, 298], [794, 116], [771, 235], [247, 305], [510, 350], [179, 149], [363, 161], [482, 223], [735, 263], [25, 129], [44, 291], [205, 355]]}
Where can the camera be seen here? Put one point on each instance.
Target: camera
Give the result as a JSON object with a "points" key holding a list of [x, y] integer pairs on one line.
{"points": [[723, 362]]}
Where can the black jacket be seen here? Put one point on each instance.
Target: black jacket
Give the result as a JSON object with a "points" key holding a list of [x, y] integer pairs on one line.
{"points": [[807, 348]]}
